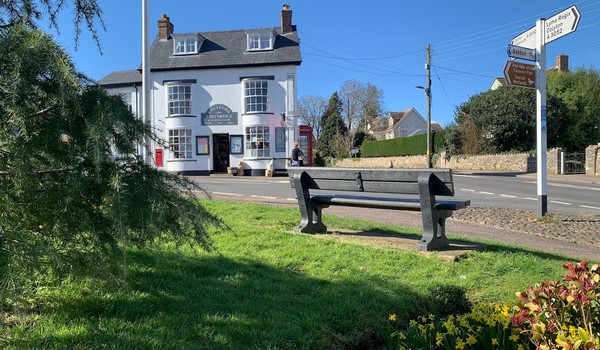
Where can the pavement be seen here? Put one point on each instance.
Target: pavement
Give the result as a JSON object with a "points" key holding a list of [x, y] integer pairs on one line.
{"points": [[491, 236]]}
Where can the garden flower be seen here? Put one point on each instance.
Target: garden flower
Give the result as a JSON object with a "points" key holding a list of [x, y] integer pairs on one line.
{"points": [[393, 317]]}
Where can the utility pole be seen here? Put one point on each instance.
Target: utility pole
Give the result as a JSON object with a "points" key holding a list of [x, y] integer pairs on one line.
{"points": [[428, 94]]}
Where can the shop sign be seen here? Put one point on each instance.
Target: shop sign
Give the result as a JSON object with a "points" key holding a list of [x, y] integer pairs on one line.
{"points": [[219, 115]]}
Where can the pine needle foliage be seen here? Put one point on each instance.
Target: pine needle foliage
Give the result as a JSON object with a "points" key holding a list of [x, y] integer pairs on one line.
{"points": [[73, 192]]}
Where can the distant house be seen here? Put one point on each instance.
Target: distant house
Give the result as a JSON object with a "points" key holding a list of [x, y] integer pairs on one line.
{"points": [[400, 124], [562, 65]]}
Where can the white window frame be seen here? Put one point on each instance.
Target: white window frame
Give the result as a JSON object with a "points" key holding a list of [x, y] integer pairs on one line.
{"points": [[179, 99], [260, 41], [256, 96], [258, 142], [185, 45], [180, 144]]}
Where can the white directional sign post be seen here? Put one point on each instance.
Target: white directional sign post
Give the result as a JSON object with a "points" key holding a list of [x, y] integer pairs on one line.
{"points": [[536, 38]]}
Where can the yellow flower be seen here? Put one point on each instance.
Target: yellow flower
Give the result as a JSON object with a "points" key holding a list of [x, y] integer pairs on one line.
{"points": [[393, 317], [494, 341], [41, 227], [459, 344], [471, 340], [412, 323], [520, 347], [514, 338], [401, 336]]}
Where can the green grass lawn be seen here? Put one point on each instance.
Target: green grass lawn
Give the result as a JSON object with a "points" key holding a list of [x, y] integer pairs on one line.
{"points": [[265, 287]]}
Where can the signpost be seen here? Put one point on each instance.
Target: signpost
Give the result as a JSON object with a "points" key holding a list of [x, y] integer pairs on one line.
{"points": [[523, 53], [536, 38], [525, 39], [520, 74], [561, 24]]}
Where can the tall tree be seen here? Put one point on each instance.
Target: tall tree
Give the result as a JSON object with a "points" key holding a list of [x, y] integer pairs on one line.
{"points": [[310, 110], [361, 103], [332, 126], [579, 92], [73, 190]]}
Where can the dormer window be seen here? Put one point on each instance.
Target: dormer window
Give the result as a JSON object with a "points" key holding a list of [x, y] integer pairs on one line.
{"points": [[260, 41], [185, 45]]}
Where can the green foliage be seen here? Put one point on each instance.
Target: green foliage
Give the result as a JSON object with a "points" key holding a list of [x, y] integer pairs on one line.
{"points": [[73, 190], [486, 327], [447, 299], [497, 121], [563, 314], [332, 127], [578, 123], [402, 146], [503, 120]]}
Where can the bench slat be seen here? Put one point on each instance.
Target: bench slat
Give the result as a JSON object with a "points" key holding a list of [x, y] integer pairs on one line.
{"points": [[407, 175], [400, 181], [387, 203]]}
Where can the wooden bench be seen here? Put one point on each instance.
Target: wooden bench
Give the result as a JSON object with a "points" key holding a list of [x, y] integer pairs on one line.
{"points": [[426, 183]]}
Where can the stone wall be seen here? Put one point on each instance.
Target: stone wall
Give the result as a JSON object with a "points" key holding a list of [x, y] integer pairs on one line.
{"points": [[519, 162], [592, 160], [383, 162]]}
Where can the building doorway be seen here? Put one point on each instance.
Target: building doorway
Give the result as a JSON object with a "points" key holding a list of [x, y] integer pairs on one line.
{"points": [[221, 153]]}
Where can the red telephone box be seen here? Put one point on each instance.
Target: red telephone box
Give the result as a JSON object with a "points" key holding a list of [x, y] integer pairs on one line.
{"points": [[158, 157], [305, 143]]}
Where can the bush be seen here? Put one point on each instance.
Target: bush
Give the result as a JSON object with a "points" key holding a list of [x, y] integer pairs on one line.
{"points": [[563, 314], [553, 315]]}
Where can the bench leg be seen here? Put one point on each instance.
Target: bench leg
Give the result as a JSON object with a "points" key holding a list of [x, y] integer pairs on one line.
{"points": [[312, 219], [434, 230]]}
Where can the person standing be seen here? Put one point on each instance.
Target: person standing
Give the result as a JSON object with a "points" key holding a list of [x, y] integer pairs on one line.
{"points": [[297, 156]]}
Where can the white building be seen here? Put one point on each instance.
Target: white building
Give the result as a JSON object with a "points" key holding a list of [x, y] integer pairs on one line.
{"points": [[219, 98]]}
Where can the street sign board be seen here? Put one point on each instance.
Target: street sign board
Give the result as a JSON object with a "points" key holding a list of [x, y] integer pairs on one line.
{"points": [[561, 24], [520, 74], [523, 53], [525, 39]]}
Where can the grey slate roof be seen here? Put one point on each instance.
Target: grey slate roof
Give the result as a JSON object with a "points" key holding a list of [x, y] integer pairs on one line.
{"points": [[226, 49], [121, 78]]}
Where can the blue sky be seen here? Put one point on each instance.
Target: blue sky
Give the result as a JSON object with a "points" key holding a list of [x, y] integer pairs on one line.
{"points": [[381, 42]]}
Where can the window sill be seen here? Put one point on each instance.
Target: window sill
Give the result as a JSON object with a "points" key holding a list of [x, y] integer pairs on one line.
{"points": [[255, 113], [181, 116], [180, 160]]}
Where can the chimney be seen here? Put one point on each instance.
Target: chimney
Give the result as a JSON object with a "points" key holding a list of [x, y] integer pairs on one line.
{"points": [[165, 27], [286, 19], [562, 63]]}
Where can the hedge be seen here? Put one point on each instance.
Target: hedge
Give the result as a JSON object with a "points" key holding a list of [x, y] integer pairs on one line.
{"points": [[402, 146]]}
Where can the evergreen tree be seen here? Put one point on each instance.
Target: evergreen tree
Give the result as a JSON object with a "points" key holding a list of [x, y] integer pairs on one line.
{"points": [[332, 126], [73, 190]]}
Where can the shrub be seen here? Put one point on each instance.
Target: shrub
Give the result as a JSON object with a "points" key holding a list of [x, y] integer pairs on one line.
{"points": [[563, 314]]}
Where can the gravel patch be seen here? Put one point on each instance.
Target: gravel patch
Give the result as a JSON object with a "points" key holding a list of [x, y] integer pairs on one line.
{"points": [[580, 229]]}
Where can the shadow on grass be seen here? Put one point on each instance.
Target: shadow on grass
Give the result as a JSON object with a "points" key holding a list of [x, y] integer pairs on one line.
{"points": [[409, 241], [170, 301]]}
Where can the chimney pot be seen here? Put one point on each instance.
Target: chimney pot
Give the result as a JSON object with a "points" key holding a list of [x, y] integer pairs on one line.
{"points": [[286, 19], [165, 27]]}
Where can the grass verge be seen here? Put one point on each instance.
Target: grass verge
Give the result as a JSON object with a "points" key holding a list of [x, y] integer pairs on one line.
{"points": [[265, 288]]}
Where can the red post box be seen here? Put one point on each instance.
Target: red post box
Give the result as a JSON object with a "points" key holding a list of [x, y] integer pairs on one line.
{"points": [[158, 155]]}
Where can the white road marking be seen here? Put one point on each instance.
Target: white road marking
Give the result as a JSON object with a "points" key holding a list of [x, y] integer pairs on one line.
{"points": [[467, 189], [268, 197], [568, 186], [530, 199], [508, 196], [490, 193], [588, 207], [228, 194], [557, 202], [463, 175]]}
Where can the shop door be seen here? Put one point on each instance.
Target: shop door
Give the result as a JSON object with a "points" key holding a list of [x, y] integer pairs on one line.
{"points": [[221, 153]]}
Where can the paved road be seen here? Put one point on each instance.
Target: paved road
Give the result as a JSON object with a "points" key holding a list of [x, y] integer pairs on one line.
{"points": [[566, 195]]}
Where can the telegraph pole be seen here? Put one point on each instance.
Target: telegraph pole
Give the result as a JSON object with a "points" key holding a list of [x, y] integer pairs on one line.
{"points": [[428, 94]]}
